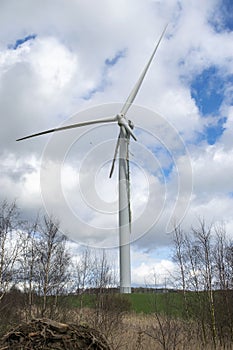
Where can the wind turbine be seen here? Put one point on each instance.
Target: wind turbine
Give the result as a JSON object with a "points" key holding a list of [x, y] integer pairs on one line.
{"points": [[122, 146]]}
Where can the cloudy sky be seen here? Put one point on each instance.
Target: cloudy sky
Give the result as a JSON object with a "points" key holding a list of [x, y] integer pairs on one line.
{"points": [[63, 62]]}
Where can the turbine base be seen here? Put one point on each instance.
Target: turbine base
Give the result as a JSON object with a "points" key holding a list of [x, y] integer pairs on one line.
{"points": [[125, 290]]}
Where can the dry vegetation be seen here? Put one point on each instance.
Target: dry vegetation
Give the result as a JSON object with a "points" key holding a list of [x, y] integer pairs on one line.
{"points": [[123, 329], [133, 331], [35, 259]]}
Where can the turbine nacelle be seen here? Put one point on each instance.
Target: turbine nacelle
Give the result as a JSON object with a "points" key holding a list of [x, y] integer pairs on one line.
{"points": [[119, 118], [126, 124]]}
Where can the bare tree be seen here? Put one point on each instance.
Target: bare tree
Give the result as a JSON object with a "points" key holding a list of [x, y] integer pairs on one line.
{"points": [[93, 270], [10, 297], [223, 263], [179, 257], [27, 261], [83, 271], [229, 264], [9, 247], [203, 237], [51, 269], [102, 272]]}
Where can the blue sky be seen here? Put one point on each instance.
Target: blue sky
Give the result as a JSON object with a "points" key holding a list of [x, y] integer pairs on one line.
{"points": [[108, 63], [209, 92], [224, 18], [53, 67], [21, 41]]}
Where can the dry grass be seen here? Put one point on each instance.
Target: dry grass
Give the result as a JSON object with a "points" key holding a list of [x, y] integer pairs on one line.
{"points": [[133, 331]]}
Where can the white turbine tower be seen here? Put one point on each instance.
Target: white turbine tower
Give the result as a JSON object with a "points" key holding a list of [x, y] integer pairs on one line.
{"points": [[122, 146]]}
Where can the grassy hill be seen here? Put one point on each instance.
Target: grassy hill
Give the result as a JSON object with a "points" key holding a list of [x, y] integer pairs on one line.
{"points": [[168, 303]]}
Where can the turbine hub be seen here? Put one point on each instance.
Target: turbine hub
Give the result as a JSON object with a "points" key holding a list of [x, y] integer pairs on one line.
{"points": [[120, 118]]}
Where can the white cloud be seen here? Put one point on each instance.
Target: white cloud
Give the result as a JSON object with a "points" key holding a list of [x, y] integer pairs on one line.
{"points": [[151, 271], [44, 80], [226, 138], [54, 66], [213, 171]]}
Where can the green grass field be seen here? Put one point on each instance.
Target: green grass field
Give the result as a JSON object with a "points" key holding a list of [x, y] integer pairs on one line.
{"points": [[168, 303]]}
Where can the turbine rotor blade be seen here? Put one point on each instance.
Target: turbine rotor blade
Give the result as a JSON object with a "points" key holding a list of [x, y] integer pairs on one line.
{"points": [[128, 187], [77, 125], [134, 92], [114, 157]]}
